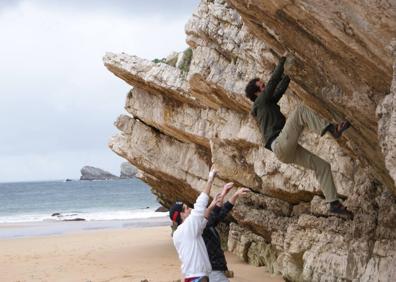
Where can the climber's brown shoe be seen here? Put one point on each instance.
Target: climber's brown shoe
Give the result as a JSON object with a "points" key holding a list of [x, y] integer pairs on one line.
{"points": [[340, 128], [337, 208], [336, 130]]}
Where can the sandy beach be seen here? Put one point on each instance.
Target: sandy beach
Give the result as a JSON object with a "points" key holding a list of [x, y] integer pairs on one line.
{"points": [[128, 254]]}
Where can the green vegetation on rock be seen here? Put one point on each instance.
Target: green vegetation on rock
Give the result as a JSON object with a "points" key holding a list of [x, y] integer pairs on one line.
{"points": [[187, 56], [184, 65], [172, 62], [163, 60]]}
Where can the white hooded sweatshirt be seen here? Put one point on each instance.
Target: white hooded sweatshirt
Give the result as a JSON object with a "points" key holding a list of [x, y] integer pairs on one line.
{"points": [[189, 242]]}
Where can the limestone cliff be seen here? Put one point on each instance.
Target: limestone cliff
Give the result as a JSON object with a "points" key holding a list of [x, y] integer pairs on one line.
{"points": [[180, 120]]}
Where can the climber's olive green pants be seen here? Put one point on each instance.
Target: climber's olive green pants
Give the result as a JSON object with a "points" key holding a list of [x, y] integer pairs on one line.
{"points": [[287, 149]]}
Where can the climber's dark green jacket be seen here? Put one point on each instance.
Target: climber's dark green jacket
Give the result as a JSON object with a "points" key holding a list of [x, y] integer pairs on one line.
{"points": [[266, 110]]}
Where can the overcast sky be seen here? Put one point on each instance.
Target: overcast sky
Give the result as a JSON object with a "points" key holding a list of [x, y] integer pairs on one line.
{"points": [[57, 100]]}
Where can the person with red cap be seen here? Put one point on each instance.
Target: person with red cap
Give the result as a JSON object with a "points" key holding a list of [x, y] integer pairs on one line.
{"points": [[187, 238]]}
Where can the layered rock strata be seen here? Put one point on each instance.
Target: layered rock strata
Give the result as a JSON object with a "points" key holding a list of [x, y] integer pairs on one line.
{"points": [[180, 122], [386, 112]]}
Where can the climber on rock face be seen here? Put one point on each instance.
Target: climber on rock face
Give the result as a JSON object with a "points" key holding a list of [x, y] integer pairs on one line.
{"points": [[281, 135]]}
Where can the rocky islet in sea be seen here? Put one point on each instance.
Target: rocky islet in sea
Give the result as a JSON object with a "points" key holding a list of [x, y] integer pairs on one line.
{"points": [[127, 171]]}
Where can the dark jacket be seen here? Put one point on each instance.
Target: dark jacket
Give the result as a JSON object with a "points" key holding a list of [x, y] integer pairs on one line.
{"points": [[212, 237], [266, 110]]}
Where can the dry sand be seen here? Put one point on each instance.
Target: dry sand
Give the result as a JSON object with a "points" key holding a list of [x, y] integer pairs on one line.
{"points": [[132, 254]]}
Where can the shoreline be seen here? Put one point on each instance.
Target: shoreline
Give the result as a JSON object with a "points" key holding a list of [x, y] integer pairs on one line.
{"points": [[58, 228], [116, 255]]}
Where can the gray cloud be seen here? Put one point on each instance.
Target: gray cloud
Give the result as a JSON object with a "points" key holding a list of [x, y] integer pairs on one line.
{"points": [[8, 3], [57, 100], [127, 7]]}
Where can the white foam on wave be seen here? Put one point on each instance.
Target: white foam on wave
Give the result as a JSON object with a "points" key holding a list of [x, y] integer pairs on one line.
{"points": [[24, 218], [89, 216], [137, 214]]}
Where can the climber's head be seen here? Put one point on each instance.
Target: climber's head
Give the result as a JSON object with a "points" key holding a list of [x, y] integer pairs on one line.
{"points": [[254, 88]]}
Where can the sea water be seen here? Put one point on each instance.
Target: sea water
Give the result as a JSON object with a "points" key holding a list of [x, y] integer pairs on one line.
{"points": [[95, 204], [89, 200]]}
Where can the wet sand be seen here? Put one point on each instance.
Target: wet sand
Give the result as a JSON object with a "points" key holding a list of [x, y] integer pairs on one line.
{"points": [[126, 254]]}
